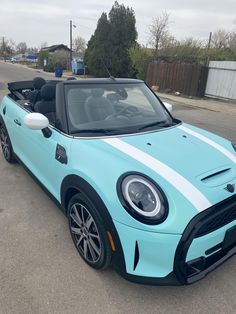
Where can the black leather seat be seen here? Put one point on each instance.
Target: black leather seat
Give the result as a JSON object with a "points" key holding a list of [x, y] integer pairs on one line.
{"points": [[34, 95], [47, 105], [98, 107]]}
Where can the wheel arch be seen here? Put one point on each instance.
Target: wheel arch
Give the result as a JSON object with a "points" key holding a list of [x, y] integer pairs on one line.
{"points": [[73, 184]]}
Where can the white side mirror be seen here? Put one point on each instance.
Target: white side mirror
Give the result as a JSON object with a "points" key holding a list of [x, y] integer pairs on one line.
{"points": [[168, 106], [36, 121]]}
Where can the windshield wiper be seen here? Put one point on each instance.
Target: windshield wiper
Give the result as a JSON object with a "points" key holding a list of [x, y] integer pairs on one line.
{"points": [[160, 124], [94, 131]]}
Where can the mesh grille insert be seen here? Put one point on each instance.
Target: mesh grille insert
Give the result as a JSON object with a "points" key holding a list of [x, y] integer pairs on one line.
{"points": [[217, 222]]}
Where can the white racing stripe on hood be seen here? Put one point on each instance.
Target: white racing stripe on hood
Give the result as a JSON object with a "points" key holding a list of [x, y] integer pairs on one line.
{"points": [[210, 142], [189, 191]]}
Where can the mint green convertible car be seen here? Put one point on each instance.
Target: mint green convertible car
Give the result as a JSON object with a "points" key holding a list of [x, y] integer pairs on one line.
{"points": [[142, 191]]}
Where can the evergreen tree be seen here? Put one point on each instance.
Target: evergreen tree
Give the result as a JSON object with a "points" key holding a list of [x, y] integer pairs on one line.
{"points": [[110, 44]]}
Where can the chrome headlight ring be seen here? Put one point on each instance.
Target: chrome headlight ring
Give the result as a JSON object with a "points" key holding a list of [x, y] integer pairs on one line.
{"points": [[142, 198]]}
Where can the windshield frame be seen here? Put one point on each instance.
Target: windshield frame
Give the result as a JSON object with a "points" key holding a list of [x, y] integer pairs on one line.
{"points": [[124, 131]]}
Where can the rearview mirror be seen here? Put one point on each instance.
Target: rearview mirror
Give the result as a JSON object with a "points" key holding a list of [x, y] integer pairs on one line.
{"points": [[168, 106], [36, 121]]}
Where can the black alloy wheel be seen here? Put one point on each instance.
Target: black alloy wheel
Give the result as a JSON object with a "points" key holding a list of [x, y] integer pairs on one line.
{"points": [[88, 232]]}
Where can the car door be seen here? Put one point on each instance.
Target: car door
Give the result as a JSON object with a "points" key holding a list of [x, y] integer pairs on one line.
{"points": [[46, 158], [14, 113]]}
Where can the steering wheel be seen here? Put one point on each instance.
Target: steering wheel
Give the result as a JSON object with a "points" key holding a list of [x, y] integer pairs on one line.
{"points": [[125, 113], [128, 111]]}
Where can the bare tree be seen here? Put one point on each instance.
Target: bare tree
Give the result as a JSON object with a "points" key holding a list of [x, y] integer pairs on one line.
{"points": [[159, 32], [79, 46], [224, 39], [43, 45], [33, 49], [232, 40], [220, 39], [21, 47], [6, 48]]}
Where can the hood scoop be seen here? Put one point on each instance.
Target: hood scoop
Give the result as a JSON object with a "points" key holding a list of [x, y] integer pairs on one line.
{"points": [[213, 175], [218, 176]]}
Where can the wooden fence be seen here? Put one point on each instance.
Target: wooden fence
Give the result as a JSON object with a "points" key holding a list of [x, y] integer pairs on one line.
{"points": [[187, 78]]}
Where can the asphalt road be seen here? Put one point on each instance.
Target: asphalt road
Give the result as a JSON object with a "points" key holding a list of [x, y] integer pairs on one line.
{"points": [[40, 270]]}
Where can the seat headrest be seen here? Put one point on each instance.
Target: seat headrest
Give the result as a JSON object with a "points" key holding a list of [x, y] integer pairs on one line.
{"points": [[48, 92], [97, 92], [71, 78], [38, 82]]}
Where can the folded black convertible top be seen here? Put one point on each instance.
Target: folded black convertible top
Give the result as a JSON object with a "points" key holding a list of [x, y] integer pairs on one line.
{"points": [[19, 86], [16, 88]]}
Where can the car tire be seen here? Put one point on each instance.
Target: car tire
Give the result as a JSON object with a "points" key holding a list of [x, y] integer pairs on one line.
{"points": [[88, 232], [6, 145]]}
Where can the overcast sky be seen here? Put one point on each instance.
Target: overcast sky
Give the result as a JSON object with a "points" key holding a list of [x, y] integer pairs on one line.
{"points": [[48, 20]]}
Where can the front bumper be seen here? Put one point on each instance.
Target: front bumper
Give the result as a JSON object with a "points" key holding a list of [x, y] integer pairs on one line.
{"points": [[212, 227], [172, 259]]}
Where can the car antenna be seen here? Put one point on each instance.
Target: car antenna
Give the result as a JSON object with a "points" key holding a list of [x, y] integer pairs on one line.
{"points": [[110, 76]]}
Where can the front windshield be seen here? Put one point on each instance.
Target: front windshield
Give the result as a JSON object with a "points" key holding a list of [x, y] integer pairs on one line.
{"points": [[113, 109]]}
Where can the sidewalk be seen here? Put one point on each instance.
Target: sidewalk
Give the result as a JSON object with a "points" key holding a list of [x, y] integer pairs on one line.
{"points": [[204, 103]]}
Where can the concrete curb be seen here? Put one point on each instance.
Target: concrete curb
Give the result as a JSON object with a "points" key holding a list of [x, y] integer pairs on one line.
{"points": [[207, 104]]}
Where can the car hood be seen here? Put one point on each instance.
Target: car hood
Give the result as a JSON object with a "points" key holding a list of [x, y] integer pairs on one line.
{"points": [[185, 150], [192, 166]]}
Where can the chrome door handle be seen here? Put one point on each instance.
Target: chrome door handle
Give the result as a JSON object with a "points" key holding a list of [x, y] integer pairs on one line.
{"points": [[17, 122]]}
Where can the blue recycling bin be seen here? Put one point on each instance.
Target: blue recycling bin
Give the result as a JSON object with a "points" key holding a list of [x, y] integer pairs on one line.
{"points": [[78, 67], [58, 72]]}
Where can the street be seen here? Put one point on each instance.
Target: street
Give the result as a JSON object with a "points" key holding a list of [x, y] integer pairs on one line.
{"points": [[41, 271]]}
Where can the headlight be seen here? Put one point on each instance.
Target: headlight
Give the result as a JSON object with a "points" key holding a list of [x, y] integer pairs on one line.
{"points": [[234, 146], [142, 198]]}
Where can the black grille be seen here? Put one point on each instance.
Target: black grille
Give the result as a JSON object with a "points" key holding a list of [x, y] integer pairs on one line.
{"points": [[217, 222]]}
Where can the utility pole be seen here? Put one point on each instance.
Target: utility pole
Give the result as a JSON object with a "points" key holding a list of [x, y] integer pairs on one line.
{"points": [[3, 48], [71, 26], [208, 48], [209, 41], [70, 42]]}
